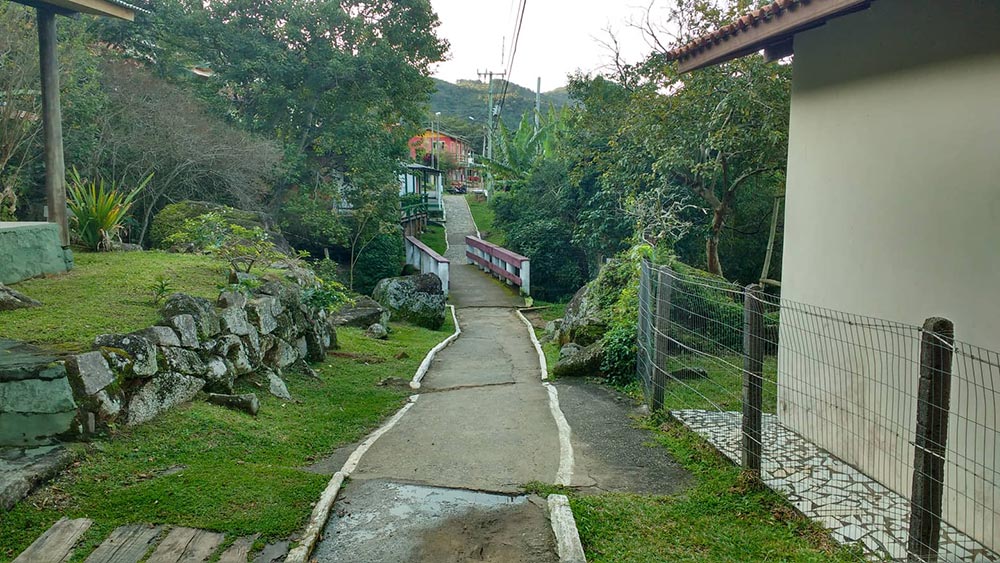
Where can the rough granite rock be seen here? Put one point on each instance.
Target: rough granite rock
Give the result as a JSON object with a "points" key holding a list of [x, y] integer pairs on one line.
{"points": [[582, 321], [568, 350], [583, 363], [89, 373], [11, 299], [262, 313], [234, 321], [160, 336], [246, 403], [362, 313], [377, 331], [187, 330], [135, 355], [183, 361], [203, 311], [418, 299], [232, 298], [276, 386], [162, 392], [282, 354], [23, 469], [220, 375], [553, 330]]}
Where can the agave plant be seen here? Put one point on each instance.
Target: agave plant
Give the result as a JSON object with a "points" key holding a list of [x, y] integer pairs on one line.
{"points": [[99, 210]]}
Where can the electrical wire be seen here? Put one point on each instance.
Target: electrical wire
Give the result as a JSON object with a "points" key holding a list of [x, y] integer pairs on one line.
{"points": [[510, 62]]}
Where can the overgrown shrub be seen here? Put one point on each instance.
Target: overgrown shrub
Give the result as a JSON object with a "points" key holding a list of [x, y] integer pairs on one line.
{"points": [[557, 270], [383, 258], [242, 247], [171, 219], [620, 351]]}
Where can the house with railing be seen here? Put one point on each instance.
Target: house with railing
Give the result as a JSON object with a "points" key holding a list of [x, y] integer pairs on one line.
{"points": [[449, 153]]}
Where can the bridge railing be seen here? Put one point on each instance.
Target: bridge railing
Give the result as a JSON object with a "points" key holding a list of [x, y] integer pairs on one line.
{"points": [[422, 257], [506, 265]]}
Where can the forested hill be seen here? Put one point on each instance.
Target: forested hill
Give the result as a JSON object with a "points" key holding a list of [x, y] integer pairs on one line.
{"points": [[468, 98]]}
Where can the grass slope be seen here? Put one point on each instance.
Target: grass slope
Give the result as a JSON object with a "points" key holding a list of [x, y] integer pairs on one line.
{"points": [[208, 467], [482, 213], [107, 292], [434, 236]]}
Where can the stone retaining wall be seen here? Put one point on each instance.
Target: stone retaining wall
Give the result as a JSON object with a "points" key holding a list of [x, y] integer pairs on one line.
{"points": [[199, 345]]}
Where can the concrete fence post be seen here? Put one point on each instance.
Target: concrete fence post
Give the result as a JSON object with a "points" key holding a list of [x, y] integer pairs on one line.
{"points": [[933, 398], [525, 276], [661, 342], [753, 377]]}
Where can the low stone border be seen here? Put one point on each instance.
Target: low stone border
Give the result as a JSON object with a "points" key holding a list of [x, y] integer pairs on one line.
{"points": [[321, 512], [426, 364], [538, 346], [564, 527]]}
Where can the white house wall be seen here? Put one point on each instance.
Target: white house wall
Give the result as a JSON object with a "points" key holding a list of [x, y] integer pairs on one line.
{"points": [[893, 211]]}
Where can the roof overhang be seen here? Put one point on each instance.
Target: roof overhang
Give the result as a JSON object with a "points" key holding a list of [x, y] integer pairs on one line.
{"points": [[771, 29], [109, 8]]}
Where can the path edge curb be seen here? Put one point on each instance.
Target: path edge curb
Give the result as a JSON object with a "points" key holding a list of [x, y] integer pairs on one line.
{"points": [[564, 527], [321, 512], [538, 345], [426, 364]]}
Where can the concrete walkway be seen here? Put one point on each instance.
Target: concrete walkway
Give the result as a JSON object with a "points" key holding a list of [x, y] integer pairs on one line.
{"points": [[443, 485]]}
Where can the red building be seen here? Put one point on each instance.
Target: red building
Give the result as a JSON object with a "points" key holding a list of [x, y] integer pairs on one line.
{"points": [[445, 152]]}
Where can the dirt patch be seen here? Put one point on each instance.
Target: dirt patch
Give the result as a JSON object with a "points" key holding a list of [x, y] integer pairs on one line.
{"points": [[513, 534], [535, 318]]}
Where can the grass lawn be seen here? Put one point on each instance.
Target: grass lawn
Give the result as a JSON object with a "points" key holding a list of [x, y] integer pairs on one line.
{"points": [[208, 467], [108, 292], [722, 389], [721, 518], [434, 236], [482, 213]]}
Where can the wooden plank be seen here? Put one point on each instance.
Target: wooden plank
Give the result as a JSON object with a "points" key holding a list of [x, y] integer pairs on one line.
{"points": [[56, 544], [186, 545], [96, 7], [127, 544], [239, 552]]}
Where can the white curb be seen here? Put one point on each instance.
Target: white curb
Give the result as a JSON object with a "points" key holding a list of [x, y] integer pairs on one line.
{"points": [[537, 345], [426, 364], [565, 474], [564, 527]]}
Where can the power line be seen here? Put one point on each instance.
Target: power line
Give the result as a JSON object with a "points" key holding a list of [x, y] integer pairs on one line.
{"points": [[510, 62]]}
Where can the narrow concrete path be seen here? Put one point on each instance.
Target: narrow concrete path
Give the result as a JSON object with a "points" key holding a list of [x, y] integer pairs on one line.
{"points": [[444, 484]]}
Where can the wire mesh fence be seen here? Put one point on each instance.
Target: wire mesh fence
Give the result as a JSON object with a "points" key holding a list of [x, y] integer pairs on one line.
{"points": [[884, 432]]}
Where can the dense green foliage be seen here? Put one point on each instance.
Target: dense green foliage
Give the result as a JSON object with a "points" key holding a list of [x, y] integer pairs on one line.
{"points": [[384, 258], [469, 98]]}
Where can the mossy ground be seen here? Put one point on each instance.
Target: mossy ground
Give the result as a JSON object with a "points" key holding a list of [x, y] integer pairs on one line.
{"points": [[434, 236]]}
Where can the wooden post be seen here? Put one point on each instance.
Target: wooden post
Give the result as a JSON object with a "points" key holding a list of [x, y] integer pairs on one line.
{"points": [[933, 397], [661, 322], [753, 375], [55, 167]]}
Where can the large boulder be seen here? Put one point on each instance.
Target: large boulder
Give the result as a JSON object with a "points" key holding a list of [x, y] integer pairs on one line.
{"points": [[582, 321], [132, 354], [202, 310], [417, 299], [585, 362], [362, 313]]}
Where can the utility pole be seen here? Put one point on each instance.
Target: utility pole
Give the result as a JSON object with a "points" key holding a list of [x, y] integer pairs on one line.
{"points": [[538, 105], [489, 119]]}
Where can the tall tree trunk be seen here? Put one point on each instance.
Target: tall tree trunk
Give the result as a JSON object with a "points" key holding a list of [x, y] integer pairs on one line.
{"points": [[719, 216]]}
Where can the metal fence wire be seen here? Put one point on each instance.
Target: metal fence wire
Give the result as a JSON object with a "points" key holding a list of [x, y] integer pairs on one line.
{"points": [[884, 432]]}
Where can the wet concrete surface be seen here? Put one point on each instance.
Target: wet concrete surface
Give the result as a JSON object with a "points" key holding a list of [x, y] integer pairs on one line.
{"points": [[382, 521], [612, 453]]}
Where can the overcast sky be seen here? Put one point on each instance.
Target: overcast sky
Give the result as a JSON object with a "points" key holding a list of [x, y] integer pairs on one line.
{"points": [[557, 37]]}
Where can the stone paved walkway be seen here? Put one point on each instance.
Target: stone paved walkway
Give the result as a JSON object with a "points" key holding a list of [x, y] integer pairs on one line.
{"points": [[855, 507]]}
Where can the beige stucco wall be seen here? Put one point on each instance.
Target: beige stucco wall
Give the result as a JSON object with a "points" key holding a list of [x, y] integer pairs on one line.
{"points": [[893, 211]]}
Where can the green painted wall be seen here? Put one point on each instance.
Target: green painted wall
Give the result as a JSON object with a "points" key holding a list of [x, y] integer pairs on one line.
{"points": [[31, 249]]}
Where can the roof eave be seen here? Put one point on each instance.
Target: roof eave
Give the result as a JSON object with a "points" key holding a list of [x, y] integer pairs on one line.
{"points": [[775, 30]]}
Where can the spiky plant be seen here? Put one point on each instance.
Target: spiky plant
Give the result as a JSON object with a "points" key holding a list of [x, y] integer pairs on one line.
{"points": [[99, 210]]}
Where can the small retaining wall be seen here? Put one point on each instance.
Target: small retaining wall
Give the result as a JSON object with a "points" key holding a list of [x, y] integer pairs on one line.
{"points": [[199, 345], [30, 249], [422, 257]]}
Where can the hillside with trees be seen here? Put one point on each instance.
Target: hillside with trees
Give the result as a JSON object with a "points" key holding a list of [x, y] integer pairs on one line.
{"points": [[468, 98]]}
